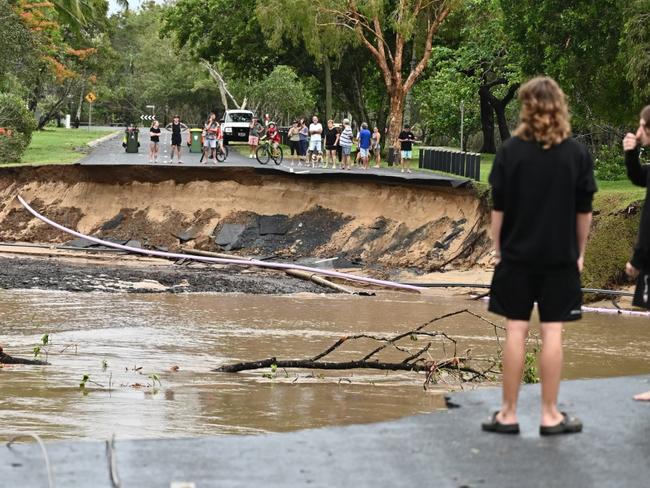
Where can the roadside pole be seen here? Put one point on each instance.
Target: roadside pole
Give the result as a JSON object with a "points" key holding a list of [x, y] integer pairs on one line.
{"points": [[462, 122]]}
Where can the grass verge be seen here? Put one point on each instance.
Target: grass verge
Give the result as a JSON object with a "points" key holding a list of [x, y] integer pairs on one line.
{"points": [[58, 146]]}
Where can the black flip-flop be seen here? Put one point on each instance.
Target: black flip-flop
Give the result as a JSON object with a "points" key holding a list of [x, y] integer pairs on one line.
{"points": [[493, 425], [569, 425]]}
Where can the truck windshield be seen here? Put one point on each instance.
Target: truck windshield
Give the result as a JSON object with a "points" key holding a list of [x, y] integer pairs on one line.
{"points": [[239, 117]]}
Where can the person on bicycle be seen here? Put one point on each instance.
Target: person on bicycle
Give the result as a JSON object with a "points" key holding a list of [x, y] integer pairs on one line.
{"points": [[273, 135]]}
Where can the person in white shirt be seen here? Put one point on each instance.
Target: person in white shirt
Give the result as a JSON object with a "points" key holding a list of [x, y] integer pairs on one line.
{"points": [[315, 140]]}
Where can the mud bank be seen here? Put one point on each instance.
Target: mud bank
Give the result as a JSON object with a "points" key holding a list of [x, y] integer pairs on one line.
{"points": [[65, 275], [421, 228]]}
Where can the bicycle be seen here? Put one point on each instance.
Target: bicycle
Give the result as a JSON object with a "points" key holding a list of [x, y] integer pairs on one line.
{"points": [[266, 151], [219, 154]]}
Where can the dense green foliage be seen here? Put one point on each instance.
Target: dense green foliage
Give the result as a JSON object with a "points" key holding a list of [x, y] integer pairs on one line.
{"points": [[18, 123], [292, 57]]}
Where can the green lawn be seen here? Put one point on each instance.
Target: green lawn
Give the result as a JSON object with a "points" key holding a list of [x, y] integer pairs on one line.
{"points": [[58, 146]]}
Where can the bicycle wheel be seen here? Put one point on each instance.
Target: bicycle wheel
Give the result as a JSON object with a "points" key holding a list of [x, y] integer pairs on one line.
{"points": [[278, 156], [222, 155], [262, 154]]}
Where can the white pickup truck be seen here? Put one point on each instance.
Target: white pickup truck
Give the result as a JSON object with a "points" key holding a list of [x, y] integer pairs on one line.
{"points": [[236, 125]]}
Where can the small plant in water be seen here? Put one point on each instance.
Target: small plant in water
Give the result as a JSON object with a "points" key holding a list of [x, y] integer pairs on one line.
{"points": [[104, 365], [271, 375], [155, 379], [42, 347], [530, 367], [84, 379]]}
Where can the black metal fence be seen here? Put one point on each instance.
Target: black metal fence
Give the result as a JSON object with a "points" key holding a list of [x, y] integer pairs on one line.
{"points": [[455, 162]]}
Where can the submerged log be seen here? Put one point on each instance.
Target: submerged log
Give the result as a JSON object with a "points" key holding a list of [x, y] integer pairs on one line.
{"points": [[6, 359]]}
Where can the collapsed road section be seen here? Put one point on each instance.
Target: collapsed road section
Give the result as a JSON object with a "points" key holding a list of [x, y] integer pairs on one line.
{"points": [[341, 220]]}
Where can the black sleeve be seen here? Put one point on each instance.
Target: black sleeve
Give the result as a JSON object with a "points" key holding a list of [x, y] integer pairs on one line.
{"points": [[586, 184], [497, 182], [635, 172]]}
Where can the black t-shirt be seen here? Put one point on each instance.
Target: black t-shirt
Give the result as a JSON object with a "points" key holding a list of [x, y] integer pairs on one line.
{"points": [[176, 131], [330, 136], [540, 191], [155, 131], [407, 145], [640, 176]]}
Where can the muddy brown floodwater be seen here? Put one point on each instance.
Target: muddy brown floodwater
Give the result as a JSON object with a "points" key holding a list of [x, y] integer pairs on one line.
{"points": [[139, 336]]}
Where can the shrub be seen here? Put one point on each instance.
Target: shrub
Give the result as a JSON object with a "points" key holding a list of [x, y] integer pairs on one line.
{"points": [[609, 163], [19, 124]]}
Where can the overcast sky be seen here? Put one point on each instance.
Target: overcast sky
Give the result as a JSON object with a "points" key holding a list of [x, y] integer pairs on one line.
{"points": [[133, 4]]}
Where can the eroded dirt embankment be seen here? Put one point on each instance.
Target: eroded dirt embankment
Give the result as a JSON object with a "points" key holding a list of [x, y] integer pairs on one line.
{"points": [[245, 212]]}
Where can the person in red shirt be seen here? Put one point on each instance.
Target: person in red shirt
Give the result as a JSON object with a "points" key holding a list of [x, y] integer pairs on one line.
{"points": [[273, 135]]}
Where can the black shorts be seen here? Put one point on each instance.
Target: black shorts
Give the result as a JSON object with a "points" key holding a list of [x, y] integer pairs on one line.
{"points": [[176, 142], [515, 290], [295, 148]]}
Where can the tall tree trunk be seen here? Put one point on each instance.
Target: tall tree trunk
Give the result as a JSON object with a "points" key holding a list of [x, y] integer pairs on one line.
{"points": [[408, 110], [487, 120], [396, 117], [499, 106], [381, 118], [77, 118], [328, 87]]}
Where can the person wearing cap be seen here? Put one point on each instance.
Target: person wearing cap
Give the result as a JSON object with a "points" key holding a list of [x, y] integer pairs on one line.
{"points": [[345, 140]]}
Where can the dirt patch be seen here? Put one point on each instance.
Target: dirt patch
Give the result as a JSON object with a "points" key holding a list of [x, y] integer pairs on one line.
{"points": [[422, 228]]}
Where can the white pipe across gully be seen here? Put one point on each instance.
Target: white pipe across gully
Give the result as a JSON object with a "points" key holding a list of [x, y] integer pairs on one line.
{"points": [[206, 259]]}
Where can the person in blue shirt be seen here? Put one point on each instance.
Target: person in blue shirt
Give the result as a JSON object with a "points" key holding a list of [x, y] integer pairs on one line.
{"points": [[364, 144]]}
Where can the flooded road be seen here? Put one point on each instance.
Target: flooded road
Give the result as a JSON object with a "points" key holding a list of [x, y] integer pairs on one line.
{"points": [[133, 343]]}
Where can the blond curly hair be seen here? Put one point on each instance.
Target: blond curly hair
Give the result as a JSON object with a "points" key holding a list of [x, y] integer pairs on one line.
{"points": [[544, 115]]}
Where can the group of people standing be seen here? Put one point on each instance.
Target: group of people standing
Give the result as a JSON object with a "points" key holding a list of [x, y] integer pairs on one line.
{"points": [[330, 146], [176, 127]]}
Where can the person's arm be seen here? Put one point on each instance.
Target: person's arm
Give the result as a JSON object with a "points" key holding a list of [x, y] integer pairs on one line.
{"points": [[583, 225], [635, 172], [497, 223]]}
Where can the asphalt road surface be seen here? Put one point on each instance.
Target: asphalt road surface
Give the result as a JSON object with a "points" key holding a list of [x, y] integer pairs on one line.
{"points": [[112, 153]]}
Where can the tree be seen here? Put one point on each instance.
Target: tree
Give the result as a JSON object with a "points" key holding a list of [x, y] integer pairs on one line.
{"points": [[149, 70], [477, 56], [18, 46], [387, 30], [296, 22], [636, 39], [577, 43], [280, 94]]}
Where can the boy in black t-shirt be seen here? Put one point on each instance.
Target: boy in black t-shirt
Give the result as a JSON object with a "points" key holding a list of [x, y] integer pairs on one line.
{"points": [[542, 190], [406, 139]]}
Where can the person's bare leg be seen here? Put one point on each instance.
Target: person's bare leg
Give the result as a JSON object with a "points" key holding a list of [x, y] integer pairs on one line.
{"points": [[643, 397], [550, 368], [514, 355]]}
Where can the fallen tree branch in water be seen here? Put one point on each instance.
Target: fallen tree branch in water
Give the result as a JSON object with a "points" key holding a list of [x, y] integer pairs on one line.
{"points": [[459, 365], [6, 359], [453, 363]]}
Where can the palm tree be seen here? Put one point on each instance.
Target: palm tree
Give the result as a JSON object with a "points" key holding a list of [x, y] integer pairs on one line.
{"points": [[78, 13]]}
